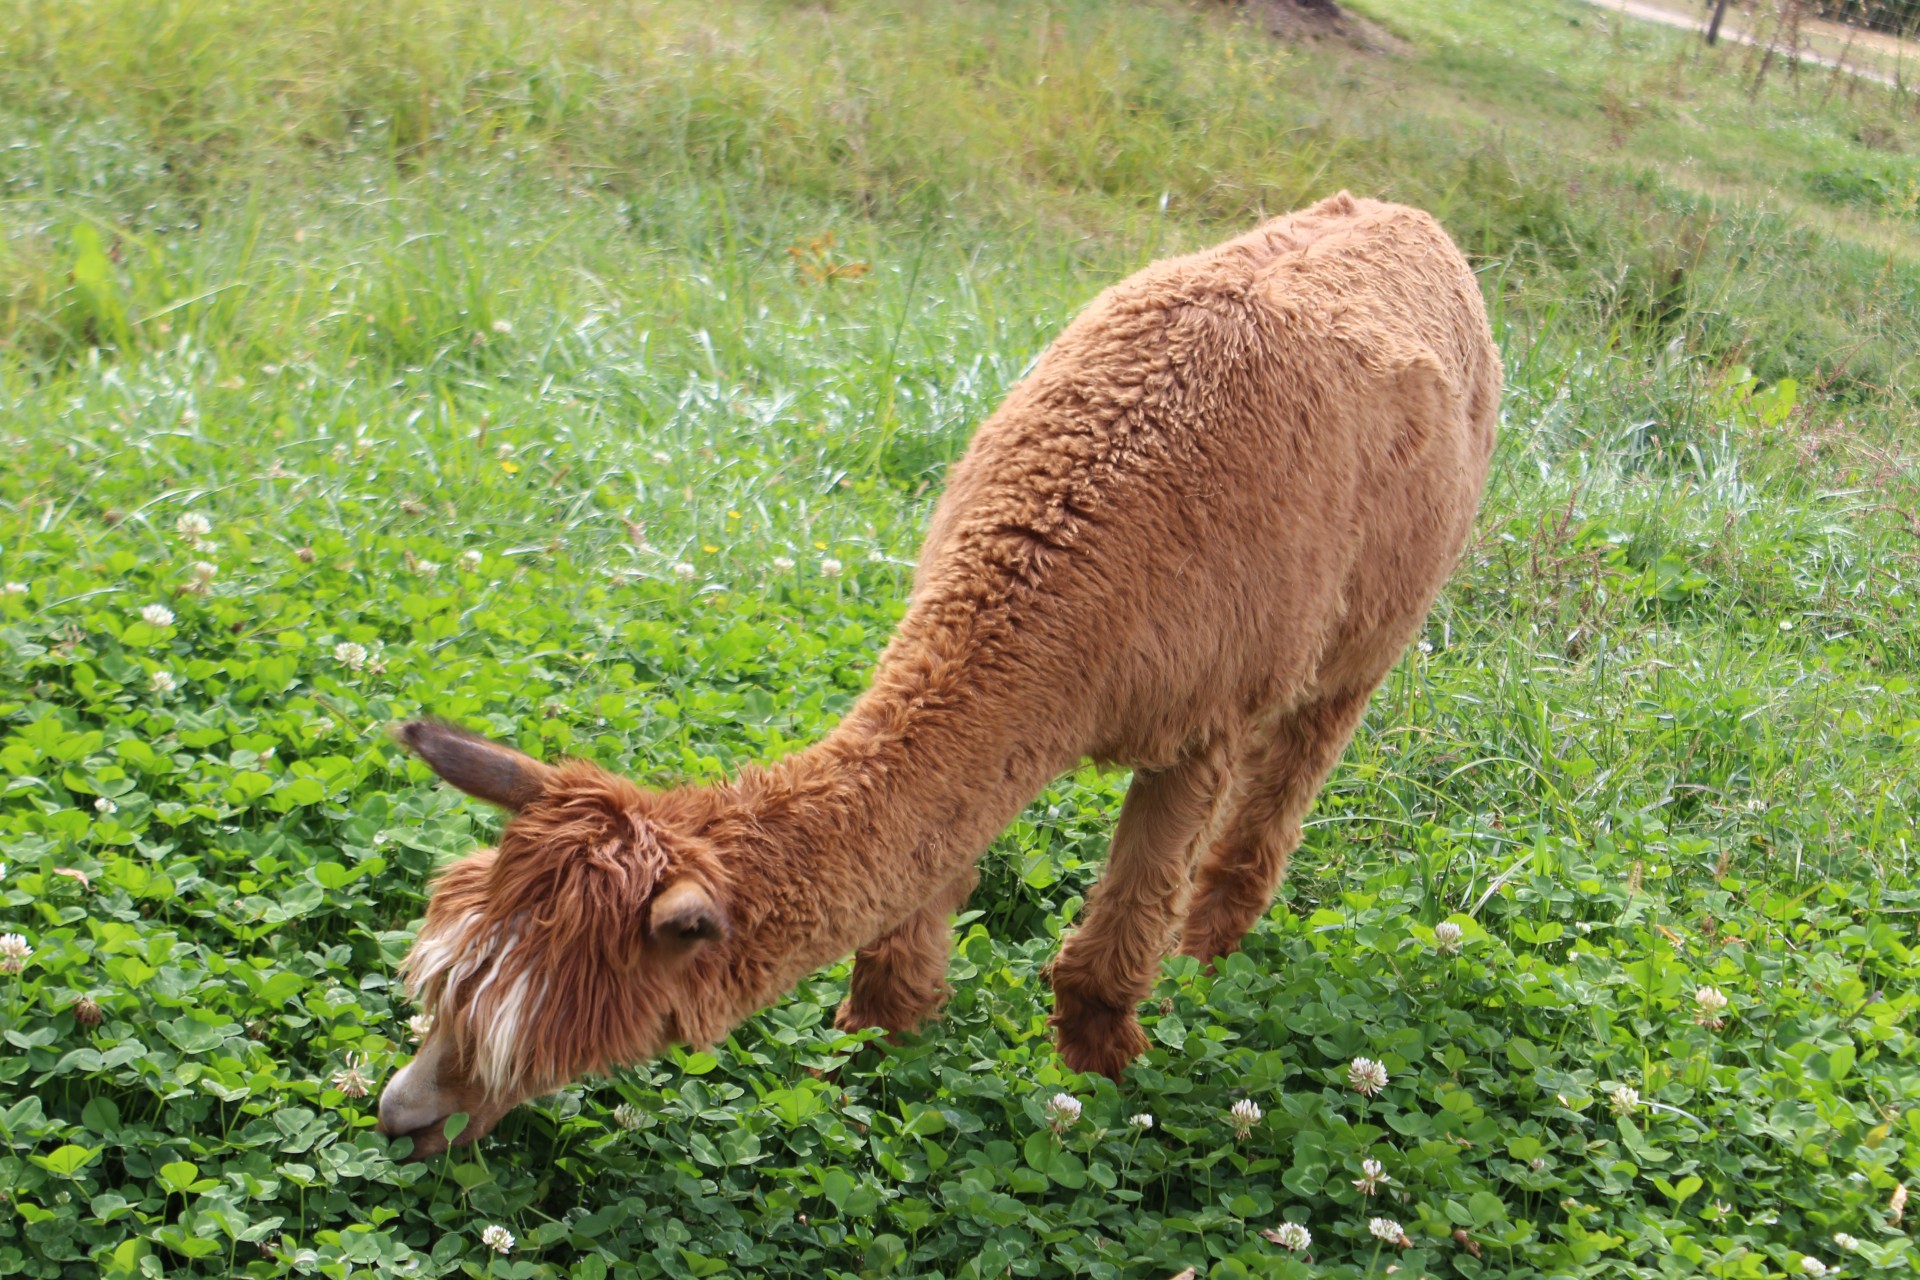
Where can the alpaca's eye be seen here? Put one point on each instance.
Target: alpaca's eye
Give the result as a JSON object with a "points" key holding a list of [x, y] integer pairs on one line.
{"points": [[704, 929]]}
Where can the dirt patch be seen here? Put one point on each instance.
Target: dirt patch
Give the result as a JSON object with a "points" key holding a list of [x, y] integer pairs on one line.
{"points": [[1315, 22]]}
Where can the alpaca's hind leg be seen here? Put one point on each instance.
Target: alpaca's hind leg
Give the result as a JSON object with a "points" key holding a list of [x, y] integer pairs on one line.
{"points": [[1108, 966], [900, 978], [1276, 785]]}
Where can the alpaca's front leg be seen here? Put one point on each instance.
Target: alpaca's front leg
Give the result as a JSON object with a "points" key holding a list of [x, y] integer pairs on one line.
{"points": [[900, 978], [1107, 968]]}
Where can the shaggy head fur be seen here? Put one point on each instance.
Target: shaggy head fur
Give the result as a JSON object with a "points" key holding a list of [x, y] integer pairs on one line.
{"points": [[559, 953]]}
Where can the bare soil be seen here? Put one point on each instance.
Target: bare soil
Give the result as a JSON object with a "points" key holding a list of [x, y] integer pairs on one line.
{"points": [[1316, 22]]}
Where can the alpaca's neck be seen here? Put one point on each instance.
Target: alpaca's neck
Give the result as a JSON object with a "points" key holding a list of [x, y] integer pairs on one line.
{"points": [[839, 843]]}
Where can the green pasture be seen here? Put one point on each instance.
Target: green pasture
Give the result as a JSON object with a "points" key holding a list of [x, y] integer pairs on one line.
{"points": [[584, 373]]}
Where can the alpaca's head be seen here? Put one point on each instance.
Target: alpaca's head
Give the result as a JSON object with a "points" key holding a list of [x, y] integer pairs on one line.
{"points": [[566, 950]]}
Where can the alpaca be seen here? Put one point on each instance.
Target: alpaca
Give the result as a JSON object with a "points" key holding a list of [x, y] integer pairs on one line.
{"points": [[1191, 542]]}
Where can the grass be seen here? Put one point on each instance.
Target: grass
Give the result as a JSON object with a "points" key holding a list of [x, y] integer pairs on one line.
{"points": [[652, 311]]}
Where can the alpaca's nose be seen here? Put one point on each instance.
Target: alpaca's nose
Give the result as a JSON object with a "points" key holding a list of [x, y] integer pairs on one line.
{"points": [[405, 1107]]}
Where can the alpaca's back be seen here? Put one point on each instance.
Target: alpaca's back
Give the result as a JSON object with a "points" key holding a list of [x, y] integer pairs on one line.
{"points": [[1235, 482]]}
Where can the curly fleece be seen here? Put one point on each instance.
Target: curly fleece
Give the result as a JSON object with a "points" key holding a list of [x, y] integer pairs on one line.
{"points": [[1191, 542]]}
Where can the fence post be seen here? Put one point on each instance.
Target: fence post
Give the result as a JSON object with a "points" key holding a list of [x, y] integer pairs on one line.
{"points": [[1713, 24]]}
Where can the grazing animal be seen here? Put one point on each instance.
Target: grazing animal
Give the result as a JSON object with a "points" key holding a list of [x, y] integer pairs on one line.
{"points": [[1191, 541]]}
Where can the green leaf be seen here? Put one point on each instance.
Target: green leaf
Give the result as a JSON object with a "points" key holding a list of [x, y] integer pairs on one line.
{"points": [[1038, 1151], [296, 792], [1068, 1170], [66, 1161], [1485, 1208], [836, 1185], [332, 875], [1840, 1063], [178, 1175], [1677, 1194], [245, 788], [101, 1114]]}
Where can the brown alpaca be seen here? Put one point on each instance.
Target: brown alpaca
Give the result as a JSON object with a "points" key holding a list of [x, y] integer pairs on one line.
{"points": [[1191, 542]]}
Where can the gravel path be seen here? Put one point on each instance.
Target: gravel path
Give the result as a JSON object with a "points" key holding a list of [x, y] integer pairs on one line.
{"points": [[1697, 22]]}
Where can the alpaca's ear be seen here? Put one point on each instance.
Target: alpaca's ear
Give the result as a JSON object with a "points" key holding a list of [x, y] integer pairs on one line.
{"points": [[478, 766], [684, 915]]}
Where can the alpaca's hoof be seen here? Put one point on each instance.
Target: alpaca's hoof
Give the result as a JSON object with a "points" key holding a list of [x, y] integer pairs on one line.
{"points": [[1100, 1039], [1208, 946], [898, 1020], [849, 1019]]}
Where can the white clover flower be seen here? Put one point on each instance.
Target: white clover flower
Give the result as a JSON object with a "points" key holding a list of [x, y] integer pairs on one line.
{"points": [[1708, 1004], [15, 589], [104, 805], [1426, 646], [662, 457], [684, 571], [163, 682], [1372, 1175], [470, 561], [1625, 1100], [783, 563], [351, 1080], [203, 570], [157, 615], [1813, 1266], [627, 1116], [1388, 1230], [193, 525], [14, 952], [498, 1239], [1063, 1112], [1366, 1077], [1245, 1114], [425, 568], [1845, 1241], [830, 568], [1446, 937], [1290, 1235], [1142, 1122], [350, 655], [419, 1025], [503, 326]]}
